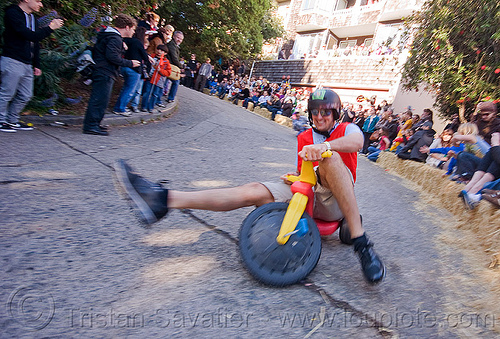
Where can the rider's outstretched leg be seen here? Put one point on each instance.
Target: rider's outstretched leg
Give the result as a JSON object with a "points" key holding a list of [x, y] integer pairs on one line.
{"points": [[153, 201]]}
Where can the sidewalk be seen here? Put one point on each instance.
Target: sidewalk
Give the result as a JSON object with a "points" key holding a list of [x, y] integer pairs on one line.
{"points": [[109, 118]]}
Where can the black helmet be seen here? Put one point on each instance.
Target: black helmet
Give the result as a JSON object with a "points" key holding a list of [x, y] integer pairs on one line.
{"points": [[324, 99]]}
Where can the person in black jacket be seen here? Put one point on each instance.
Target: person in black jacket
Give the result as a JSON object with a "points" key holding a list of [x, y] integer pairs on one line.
{"points": [[423, 137], [20, 60], [189, 71], [107, 55], [173, 58], [132, 83]]}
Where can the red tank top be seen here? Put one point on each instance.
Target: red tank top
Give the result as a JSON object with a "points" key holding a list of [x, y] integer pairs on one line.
{"points": [[349, 159]]}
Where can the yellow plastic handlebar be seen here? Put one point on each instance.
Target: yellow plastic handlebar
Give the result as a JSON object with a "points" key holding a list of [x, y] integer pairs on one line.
{"points": [[307, 173], [298, 203]]}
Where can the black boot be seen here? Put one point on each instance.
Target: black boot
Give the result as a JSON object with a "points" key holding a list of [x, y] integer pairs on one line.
{"points": [[371, 265]]}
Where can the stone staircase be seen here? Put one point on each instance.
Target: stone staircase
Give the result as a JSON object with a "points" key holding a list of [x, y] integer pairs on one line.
{"points": [[374, 73]]}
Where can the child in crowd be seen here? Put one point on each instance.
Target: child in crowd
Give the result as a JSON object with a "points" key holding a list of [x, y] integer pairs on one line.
{"points": [[153, 89], [383, 144]]}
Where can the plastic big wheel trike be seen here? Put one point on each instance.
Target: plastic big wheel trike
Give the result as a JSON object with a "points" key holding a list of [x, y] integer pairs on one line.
{"points": [[280, 243]]}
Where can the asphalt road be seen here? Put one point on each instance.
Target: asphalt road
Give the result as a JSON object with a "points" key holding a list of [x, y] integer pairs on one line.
{"points": [[75, 262]]}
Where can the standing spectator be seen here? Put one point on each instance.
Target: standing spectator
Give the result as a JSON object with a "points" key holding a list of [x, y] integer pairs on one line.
{"points": [[20, 60], [150, 23], [173, 58], [203, 74], [159, 38], [107, 54], [132, 76], [281, 54], [153, 88], [369, 128], [189, 71]]}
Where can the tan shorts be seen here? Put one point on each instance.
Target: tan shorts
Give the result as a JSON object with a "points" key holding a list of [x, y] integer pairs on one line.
{"points": [[325, 207]]}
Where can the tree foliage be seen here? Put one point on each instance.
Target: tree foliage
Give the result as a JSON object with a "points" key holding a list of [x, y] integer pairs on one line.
{"points": [[456, 51], [225, 28]]}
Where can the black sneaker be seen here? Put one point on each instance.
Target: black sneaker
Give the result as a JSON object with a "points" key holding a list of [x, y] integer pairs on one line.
{"points": [[4, 127], [371, 265], [149, 198], [21, 126]]}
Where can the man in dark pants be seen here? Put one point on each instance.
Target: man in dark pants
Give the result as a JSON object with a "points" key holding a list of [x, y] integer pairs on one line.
{"points": [[203, 74], [190, 69], [20, 61], [173, 58], [108, 58]]}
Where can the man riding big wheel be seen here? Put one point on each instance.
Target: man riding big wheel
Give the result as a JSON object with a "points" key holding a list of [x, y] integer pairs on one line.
{"points": [[334, 197]]}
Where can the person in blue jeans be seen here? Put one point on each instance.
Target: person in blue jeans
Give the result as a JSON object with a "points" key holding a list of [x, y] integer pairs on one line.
{"points": [[108, 58], [20, 60], [369, 128], [174, 59], [132, 76], [383, 145]]}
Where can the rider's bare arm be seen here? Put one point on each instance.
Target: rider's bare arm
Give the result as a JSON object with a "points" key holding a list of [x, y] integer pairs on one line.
{"points": [[347, 144]]}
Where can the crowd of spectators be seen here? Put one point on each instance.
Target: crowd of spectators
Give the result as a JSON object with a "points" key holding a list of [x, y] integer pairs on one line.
{"points": [[468, 153]]}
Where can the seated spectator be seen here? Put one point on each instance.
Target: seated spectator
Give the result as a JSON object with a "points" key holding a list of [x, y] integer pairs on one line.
{"points": [[426, 116], [442, 152], [222, 88], [263, 99], [287, 107], [300, 123], [454, 124], [486, 119], [475, 148], [488, 170], [405, 124], [423, 137], [242, 95], [212, 86], [348, 114], [274, 106], [383, 144], [254, 99]]}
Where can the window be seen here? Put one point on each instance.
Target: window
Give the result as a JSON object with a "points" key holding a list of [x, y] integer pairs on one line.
{"points": [[308, 4], [347, 43], [341, 4], [307, 44], [332, 42], [322, 5]]}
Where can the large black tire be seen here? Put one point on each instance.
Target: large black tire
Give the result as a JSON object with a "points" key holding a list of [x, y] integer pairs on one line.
{"points": [[269, 262]]}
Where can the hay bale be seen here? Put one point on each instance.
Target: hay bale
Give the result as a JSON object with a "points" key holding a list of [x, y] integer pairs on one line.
{"points": [[250, 106], [282, 120], [483, 221]]}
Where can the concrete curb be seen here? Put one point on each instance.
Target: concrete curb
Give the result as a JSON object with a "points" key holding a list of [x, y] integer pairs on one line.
{"points": [[109, 118]]}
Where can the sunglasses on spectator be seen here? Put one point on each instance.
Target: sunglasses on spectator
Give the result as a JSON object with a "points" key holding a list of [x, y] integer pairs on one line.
{"points": [[323, 112]]}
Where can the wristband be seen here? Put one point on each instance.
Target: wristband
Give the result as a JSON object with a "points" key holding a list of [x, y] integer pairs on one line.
{"points": [[328, 146]]}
